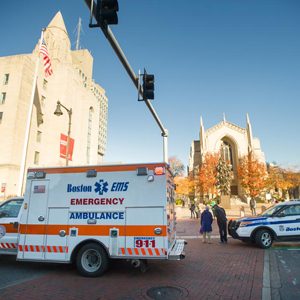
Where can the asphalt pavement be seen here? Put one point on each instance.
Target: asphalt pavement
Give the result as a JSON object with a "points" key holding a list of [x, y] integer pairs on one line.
{"points": [[210, 271]]}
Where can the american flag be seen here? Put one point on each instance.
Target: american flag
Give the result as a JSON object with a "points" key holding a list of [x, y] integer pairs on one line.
{"points": [[47, 62]]}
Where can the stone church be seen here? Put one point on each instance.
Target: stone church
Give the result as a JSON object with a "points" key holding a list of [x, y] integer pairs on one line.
{"points": [[235, 143]]}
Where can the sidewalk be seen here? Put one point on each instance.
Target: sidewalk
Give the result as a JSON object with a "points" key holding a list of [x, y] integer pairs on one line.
{"points": [[209, 271], [233, 213]]}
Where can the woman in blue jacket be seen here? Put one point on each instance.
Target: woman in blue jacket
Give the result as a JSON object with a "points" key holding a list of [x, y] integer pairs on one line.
{"points": [[206, 221]]}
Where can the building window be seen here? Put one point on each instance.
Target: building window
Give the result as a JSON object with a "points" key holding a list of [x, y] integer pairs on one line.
{"points": [[89, 135], [39, 136], [1, 116], [6, 78], [45, 82], [2, 98], [43, 100], [227, 153], [36, 157]]}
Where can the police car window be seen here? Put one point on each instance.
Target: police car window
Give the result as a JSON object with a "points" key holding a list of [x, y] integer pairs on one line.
{"points": [[271, 210], [297, 208], [10, 209], [291, 210]]}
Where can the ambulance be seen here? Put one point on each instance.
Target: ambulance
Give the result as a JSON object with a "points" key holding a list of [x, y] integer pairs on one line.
{"points": [[89, 215]]}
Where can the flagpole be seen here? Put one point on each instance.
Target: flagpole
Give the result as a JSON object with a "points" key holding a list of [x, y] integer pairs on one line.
{"points": [[28, 124]]}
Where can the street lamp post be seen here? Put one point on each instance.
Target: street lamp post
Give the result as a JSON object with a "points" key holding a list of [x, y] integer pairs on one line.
{"points": [[58, 113]]}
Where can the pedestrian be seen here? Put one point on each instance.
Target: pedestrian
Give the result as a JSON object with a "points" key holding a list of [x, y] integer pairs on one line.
{"points": [[192, 209], [197, 211], [222, 222], [253, 206], [205, 224]]}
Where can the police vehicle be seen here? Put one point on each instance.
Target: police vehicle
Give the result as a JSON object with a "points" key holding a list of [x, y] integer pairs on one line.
{"points": [[280, 222]]}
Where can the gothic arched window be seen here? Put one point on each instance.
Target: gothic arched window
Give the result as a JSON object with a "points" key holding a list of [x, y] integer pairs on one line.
{"points": [[226, 152]]}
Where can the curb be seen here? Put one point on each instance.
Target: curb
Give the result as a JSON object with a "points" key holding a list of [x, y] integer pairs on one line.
{"points": [[266, 290]]}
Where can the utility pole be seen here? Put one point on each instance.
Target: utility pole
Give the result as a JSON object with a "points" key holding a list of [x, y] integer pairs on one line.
{"points": [[135, 79], [78, 34]]}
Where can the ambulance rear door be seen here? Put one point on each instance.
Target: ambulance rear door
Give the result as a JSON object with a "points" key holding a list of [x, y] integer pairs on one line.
{"points": [[33, 224], [145, 232]]}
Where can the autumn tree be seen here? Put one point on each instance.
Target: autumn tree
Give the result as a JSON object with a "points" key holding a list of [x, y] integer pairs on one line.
{"points": [[277, 179], [176, 166], [207, 180], [252, 175], [224, 176], [282, 179], [184, 186]]}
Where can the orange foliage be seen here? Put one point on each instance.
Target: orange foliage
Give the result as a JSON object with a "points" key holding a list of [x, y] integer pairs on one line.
{"points": [[282, 179], [252, 175], [184, 185], [207, 174]]}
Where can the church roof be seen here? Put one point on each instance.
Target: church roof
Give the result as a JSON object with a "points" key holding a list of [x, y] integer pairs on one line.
{"points": [[227, 124]]}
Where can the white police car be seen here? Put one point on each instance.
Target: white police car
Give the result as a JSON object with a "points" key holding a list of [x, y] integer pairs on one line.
{"points": [[280, 222]]}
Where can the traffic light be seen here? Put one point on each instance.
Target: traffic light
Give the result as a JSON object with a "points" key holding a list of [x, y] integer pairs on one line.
{"points": [[106, 12], [148, 86]]}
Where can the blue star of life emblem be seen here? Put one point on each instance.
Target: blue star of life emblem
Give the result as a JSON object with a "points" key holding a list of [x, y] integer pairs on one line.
{"points": [[101, 187]]}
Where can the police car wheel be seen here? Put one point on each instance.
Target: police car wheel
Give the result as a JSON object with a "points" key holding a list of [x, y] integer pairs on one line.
{"points": [[92, 260], [264, 239]]}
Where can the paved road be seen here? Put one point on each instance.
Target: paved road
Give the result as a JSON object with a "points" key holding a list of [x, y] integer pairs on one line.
{"points": [[14, 272], [285, 273], [210, 271]]}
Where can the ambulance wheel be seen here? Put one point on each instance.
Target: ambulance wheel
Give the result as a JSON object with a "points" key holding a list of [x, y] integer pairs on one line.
{"points": [[92, 260], [264, 238]]}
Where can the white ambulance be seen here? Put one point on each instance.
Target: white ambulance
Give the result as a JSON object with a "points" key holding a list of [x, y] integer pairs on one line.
{"points": [[88, 215]]}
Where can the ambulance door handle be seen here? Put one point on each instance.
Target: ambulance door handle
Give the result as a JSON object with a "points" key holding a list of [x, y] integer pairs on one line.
{"points": [[41, 218], [158, 231], [15, 224]]}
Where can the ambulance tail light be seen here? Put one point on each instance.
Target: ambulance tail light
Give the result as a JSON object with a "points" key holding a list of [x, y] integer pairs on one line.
{"points": [[159, 171]]}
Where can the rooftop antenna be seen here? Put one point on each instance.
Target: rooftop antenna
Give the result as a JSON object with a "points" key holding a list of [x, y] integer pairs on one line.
{"points": [[78, 29]]}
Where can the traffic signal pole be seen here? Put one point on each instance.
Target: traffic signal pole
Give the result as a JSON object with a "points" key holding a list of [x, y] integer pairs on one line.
{"points": [[135, 79]]}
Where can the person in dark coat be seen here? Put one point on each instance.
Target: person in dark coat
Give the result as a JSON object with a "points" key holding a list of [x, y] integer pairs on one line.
{"points": [[192, 209], [222, 222], [206, 221]]}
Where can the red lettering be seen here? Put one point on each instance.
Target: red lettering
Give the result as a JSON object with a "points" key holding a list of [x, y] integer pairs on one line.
{"points": [[72, 201], [78, 201], [121, 200], [91, 201], [97, 201], [85, 201], [102, 201], [115, 201], [108, 201]]}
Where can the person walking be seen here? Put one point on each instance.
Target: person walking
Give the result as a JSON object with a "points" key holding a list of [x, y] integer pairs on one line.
{"points": [[192, 209], [222, 222], [253, 206], [205, 224], [198, 211]]}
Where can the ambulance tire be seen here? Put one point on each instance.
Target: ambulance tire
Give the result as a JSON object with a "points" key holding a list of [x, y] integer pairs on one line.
{"points": [[264, 238], [92, 260]]}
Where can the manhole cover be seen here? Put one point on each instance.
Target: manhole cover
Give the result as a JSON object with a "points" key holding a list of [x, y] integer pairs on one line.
{"points": [[166, 293]]}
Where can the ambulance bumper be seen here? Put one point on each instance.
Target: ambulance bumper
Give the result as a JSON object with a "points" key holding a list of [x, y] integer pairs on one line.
{"points": [[177, 251]]}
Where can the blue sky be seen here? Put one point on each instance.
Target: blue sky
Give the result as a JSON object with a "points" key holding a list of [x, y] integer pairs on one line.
{"points": [[208, 57]]}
